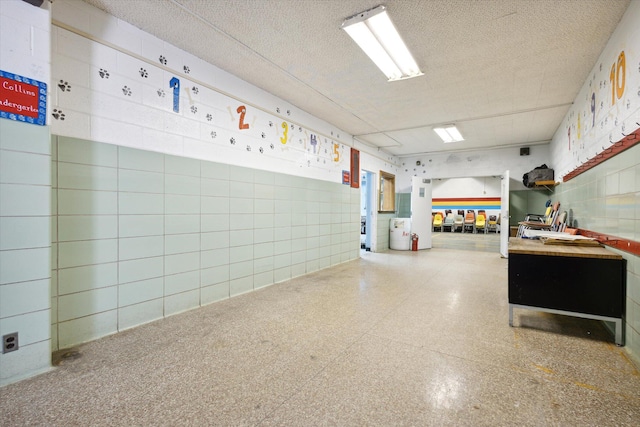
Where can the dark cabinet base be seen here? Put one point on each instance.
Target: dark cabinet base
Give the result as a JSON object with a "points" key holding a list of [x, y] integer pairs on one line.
{"points": [[585, 287]]}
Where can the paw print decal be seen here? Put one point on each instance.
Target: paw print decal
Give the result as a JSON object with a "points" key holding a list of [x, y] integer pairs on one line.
{"points": [[162, 60], [232, 141], [264, 135], [214, 134], [143, 73], [104, 74], [209, 117], [288, 112], [194, 109], [186, 69], [126, 90], [271, 146], [261, 150], [278, 110], [161, 93], [64, 86], [248, 148], [195, 90], [58, 114], [270, 124]]}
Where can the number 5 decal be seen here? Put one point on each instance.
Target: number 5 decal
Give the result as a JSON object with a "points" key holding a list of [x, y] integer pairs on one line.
{"points": [[241, 124], [335, 153]]}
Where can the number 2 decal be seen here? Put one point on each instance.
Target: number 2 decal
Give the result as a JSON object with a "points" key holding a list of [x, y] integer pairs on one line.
{"points": [[241, 124], [285, 133]]}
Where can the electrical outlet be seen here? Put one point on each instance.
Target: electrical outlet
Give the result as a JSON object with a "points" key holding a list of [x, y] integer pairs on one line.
{"points": [[10, 342]]}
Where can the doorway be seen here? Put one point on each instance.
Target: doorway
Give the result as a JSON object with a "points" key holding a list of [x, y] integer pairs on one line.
{"points": [[470, 210], [367, 207]]}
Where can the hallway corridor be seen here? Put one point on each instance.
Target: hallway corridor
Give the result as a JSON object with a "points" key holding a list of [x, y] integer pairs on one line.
{"points": [[396, 338]]}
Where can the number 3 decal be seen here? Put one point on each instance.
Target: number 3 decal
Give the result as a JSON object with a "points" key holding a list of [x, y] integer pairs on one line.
{"points": [[285, 133], [241, 124]]}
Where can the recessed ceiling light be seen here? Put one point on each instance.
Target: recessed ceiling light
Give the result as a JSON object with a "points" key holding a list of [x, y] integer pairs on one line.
{"points": [[449, 133], [376, 35]]}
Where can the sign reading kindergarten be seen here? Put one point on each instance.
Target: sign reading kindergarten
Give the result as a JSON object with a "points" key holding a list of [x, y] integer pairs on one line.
{"points": [[23, 99]]}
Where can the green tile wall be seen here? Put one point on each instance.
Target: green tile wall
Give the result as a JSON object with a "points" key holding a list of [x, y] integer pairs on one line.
{"points": [[606, 199], [140, 235], [25, 247]]}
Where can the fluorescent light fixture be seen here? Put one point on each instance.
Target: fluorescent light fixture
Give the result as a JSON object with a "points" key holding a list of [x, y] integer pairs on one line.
{"points": [[449, 133], [376, 35]]}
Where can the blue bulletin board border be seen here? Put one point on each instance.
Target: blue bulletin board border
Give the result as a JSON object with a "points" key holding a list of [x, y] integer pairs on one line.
{"points": [[42, 100]]}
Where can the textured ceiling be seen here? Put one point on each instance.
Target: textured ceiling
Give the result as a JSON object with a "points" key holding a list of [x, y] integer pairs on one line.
{"points": [[505, 71]]}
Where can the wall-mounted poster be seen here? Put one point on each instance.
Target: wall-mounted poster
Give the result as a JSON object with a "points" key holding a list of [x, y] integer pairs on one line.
{"points": [[346, 178], [22, 99]]}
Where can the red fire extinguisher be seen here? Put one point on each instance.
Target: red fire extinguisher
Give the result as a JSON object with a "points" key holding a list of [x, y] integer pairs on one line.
{"points": [[414, 242]]}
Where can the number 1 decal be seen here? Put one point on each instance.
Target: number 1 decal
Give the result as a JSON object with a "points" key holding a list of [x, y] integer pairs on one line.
{"points": [[241, 124], [175, 84]]}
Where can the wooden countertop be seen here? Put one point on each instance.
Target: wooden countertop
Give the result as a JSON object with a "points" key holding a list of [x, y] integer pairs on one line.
{"points": [[536, 247]]}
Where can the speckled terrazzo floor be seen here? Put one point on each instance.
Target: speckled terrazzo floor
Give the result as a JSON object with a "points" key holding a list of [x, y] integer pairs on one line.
{"points": [[484, 242], [399, 338]]}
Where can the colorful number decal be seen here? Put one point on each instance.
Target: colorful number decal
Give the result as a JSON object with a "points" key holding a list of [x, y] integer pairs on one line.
{"points": [[593, 109], [335, 153], [617, 78], [241, 124], [285, 133], [175, 84], [579, 128], [313, 141]]}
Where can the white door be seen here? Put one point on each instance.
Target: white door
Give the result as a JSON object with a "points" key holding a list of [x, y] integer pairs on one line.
{"points": [[421, 211], [504, 216]]}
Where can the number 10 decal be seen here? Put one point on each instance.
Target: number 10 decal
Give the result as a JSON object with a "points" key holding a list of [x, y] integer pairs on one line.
{"points": [[617, 78]]}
